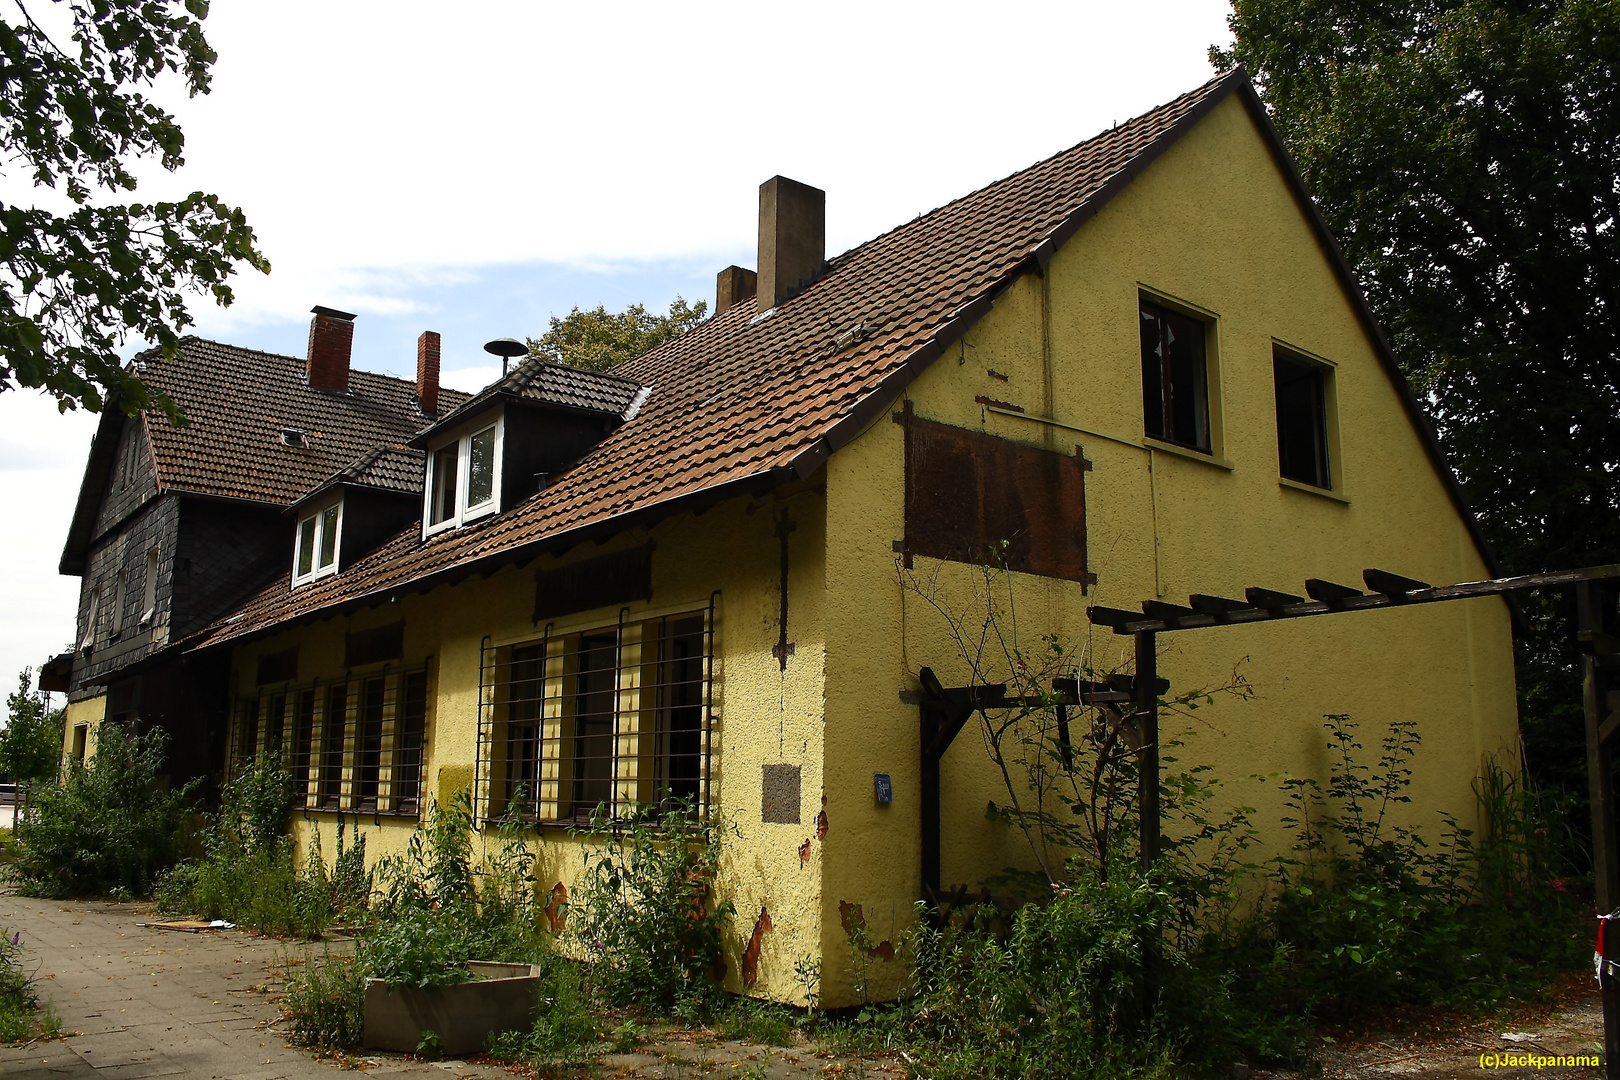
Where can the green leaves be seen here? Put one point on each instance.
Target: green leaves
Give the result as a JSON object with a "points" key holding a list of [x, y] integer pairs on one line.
{"points": [[599, 339], [75, 286]]}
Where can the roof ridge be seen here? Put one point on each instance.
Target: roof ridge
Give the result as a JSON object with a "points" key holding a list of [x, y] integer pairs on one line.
{"points": [[200, 340]]}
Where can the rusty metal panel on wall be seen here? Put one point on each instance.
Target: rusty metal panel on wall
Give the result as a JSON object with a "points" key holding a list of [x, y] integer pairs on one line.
{"points": [[970, 495], [375, 645], [278, 666], [607, 579]]}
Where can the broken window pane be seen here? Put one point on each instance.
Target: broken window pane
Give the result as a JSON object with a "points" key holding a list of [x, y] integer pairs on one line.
{"points": [[1175, 377]]}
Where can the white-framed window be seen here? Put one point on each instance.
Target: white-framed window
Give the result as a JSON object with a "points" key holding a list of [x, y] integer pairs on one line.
{"points": [[149, 600], [315, 543], [463, 481]]}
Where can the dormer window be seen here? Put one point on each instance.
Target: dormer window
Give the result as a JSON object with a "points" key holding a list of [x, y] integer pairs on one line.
{"points": [[316, 544], [463, 482]]}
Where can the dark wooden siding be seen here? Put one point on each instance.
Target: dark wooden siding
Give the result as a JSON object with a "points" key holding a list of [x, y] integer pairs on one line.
{"points": [[226, 550], [130, 483]]}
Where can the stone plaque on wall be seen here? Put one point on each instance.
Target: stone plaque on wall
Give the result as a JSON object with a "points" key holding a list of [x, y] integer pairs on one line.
{"points": [[780, 801]]}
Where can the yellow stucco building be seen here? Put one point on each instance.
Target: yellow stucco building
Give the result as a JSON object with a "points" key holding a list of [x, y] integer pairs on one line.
{"points": [[1141, 363]]}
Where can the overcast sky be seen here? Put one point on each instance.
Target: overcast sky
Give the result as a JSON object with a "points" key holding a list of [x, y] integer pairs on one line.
{"points": [[477, 168]]}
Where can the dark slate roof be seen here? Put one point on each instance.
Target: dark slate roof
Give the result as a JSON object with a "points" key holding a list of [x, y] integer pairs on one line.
{"points": [[238, 401], [394, 470], [744, 401], [541, 382]]}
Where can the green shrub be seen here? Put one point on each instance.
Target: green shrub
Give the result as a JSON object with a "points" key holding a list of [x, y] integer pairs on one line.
{"points": [[249, 875], [109, 828], [643, 912], [565, 1032], [17, 1000], [1366, 913], [325, 1001]]}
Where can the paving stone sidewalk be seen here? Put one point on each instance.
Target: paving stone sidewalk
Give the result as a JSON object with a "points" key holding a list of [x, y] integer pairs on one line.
{"points": [[149, 1002]]}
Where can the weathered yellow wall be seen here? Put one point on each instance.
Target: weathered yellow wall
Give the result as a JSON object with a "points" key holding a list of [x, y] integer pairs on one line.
{"points": [[763, 713], [1210, 225], [90, 712]]}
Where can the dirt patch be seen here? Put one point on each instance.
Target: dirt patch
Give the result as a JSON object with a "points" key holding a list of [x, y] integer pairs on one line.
{"points": [[1444, 1043]]}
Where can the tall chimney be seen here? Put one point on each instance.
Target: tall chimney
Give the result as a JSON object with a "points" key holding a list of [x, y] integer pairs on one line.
{"points": [[732, 286], [792, 238], [331, 335], [427, 371]]}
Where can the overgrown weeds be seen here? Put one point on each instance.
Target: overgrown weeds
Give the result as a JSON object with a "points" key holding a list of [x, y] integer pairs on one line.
{"points": [[644, 913], [109, 828], [249, 874]]}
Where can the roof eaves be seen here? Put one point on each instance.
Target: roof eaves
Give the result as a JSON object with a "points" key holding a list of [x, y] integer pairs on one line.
{"points": [[517, 553]]}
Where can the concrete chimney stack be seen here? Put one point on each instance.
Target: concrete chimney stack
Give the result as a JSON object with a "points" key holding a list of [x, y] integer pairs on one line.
{"points": [[792, 238], [732, 286], [427, 372], [331, 337]]}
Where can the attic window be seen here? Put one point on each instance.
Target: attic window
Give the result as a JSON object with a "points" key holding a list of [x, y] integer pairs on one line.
{"points": [[315, 547], [297, 438], [463, 480]]}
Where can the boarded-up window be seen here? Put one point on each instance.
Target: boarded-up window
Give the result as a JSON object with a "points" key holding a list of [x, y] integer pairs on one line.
{"points": [[594, 583], [278, 666], [373, 646], [972, 497]]}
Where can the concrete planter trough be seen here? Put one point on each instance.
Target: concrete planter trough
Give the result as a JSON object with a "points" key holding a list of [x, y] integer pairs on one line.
{"points": [[501, 997]]}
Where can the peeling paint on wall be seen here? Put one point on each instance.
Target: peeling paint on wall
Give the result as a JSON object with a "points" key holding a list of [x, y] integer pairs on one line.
{"points": [[854, 920], [557, 908], [750, 963]]}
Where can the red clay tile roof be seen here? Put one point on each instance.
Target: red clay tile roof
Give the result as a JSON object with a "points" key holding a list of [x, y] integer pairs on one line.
{"points": [[751, 397], [389, 469], [238, 401], [541, 382]]}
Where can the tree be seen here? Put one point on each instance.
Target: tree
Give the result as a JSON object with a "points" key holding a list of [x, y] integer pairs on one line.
{"points": [[31, 741], [1466, 153], [75, 285], [599, 339]]}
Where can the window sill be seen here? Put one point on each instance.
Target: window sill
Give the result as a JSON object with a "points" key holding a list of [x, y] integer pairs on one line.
{"points": [[1191, 455], [1310, 489]]}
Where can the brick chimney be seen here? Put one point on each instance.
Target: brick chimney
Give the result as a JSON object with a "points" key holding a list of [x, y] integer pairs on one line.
{"points": [[732, 286], [331, 335], [792, 238], [427, 371]]}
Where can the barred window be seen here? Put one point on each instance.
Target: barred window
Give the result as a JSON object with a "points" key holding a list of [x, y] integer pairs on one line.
{"points": [[352, 745], [303, 742], [275, 722], [368, 744], [408, 744], [248, 746], [332, 728], [616, 719]]}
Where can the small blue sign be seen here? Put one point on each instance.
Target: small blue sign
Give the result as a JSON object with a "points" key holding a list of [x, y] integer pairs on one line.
{"points": [[884, 789]]}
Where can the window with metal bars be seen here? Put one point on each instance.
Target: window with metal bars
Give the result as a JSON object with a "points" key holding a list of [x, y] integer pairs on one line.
{"points": [[615, 720], [354, 745]]}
